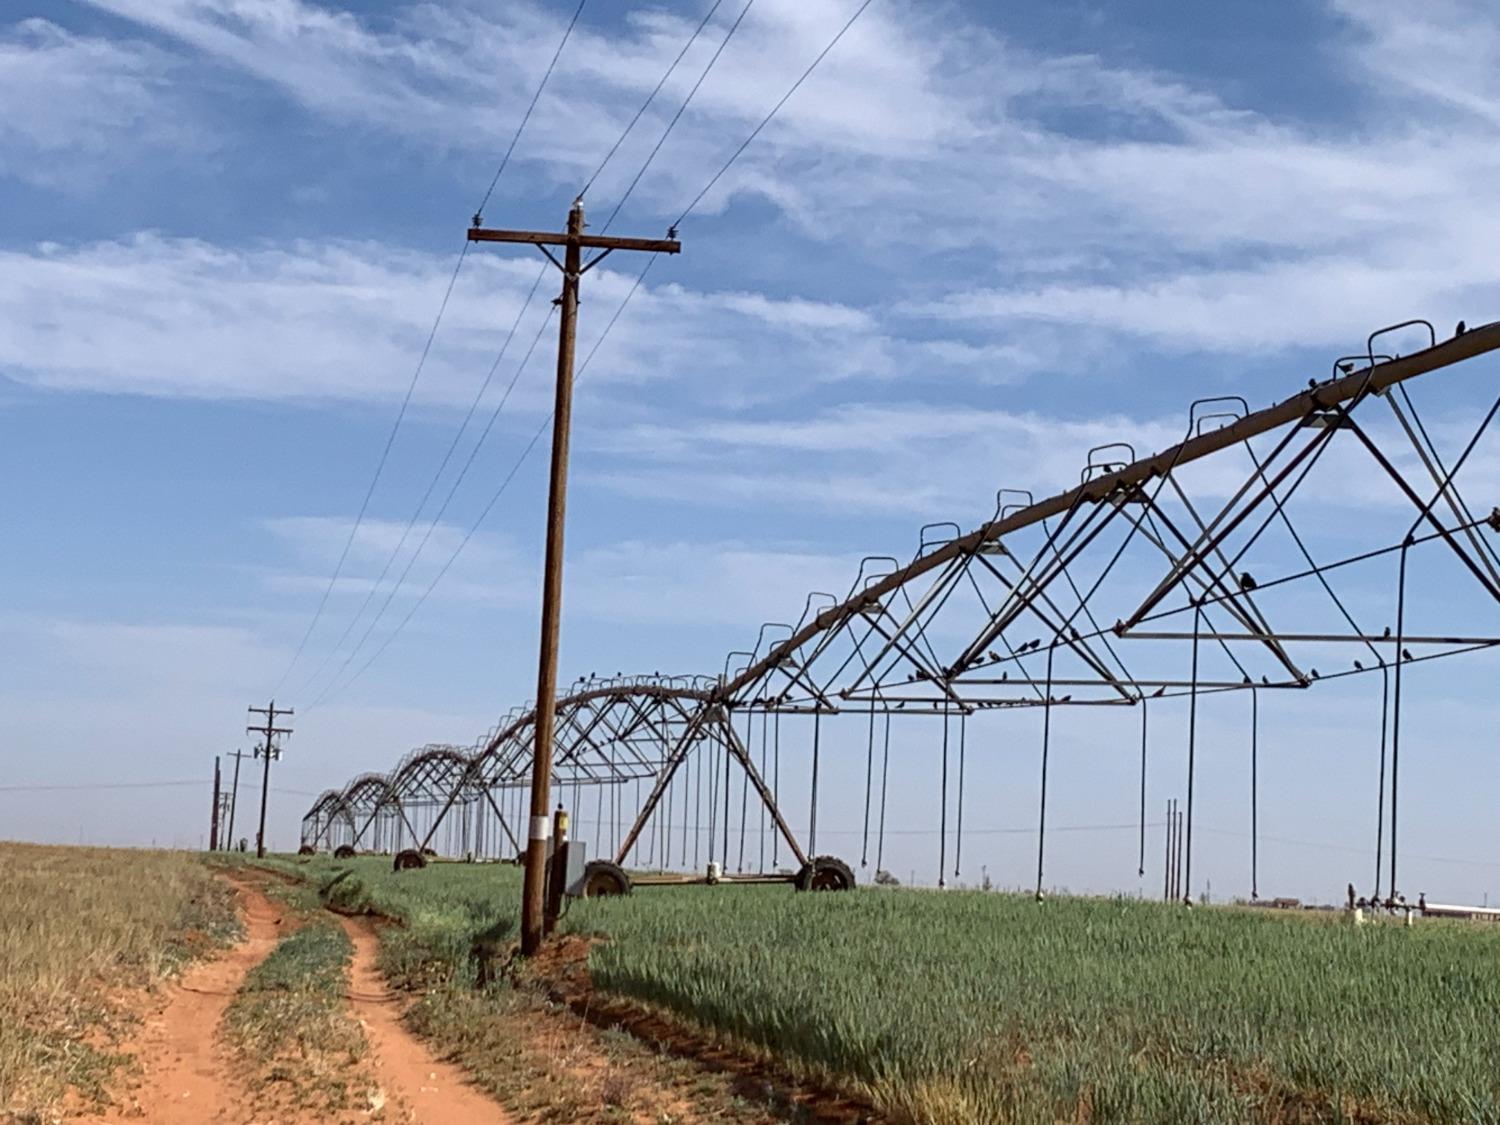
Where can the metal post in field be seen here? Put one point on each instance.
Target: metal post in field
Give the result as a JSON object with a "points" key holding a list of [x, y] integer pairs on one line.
{"points": [[1166, 866]]}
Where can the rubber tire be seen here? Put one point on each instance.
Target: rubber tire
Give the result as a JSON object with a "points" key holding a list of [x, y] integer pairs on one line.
{"points": [[344, 851], [602, 879], [307, 849], [409, 859], [825, 873]]}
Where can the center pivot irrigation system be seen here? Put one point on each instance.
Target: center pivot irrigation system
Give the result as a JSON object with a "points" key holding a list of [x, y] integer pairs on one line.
{"points": [[1184, 574]]}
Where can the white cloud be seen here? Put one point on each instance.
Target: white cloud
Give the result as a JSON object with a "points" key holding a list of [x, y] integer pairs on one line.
{"points": [[446, 72], [709, 582], [918, 461], [75, 101], [1327, 302], [1177, 219], [1443, 51], [347, 320], [912, 459], [157, 315]]}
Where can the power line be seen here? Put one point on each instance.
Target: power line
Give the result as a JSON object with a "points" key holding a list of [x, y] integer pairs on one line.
{"points": [[390, 561], [385, 454], [437, 518], [112, 785], [1350, 848], [100, 785], [495, 499], [696, 200], [676, 117], [774, 111], [527, 115], [432, 484], [649, 99], [405, 402]]}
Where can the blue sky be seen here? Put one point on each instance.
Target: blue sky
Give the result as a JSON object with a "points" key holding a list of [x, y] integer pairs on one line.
{"points": [[979, 241]]}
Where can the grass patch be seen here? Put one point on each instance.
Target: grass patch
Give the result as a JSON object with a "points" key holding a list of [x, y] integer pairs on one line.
{"points": [[974, 1007], [79, 929], [288, 1023], [967, 1006], [453, 927], [455, 918]]}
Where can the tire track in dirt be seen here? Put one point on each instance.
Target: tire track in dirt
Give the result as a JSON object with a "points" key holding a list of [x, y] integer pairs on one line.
{"points": [[185, 1076], [429, 1091]]}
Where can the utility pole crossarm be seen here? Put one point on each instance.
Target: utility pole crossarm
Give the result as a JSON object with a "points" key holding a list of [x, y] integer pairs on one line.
{"points": [[587, 241], [266, 751], [574, 241]]}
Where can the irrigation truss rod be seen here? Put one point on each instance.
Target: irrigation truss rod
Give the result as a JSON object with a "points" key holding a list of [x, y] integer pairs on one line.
{"points": [[1320, 397]]}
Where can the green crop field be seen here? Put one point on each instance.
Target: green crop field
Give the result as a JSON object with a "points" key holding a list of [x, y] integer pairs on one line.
{"points": [[449, 910], [974, 1007]]}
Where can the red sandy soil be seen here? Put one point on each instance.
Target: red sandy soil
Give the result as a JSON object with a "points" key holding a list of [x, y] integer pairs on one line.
{"points": [[429, 1091], [183, 1079], [186, 1077]]}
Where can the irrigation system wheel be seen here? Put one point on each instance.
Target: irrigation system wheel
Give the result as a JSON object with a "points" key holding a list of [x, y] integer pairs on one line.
{"points": [[344, 851], [825, 873], [409, 859], [307, 849], [601, 878]]}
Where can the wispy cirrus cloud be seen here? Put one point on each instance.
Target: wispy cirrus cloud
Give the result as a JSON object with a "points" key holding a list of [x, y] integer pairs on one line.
{"points": [[1174, 217], [916, 459], [347, 321], [712, 582], [1443, 53], [75, 101]]}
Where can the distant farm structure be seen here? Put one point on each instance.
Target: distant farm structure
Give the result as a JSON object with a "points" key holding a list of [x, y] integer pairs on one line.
{"points": [[1040, 606]]}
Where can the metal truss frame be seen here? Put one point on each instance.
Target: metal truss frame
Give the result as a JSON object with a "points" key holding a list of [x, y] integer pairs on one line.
{"points": [[1032, 609]]}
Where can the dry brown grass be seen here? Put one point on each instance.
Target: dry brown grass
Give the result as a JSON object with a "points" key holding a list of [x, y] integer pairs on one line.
{"points": [[80, 928]]}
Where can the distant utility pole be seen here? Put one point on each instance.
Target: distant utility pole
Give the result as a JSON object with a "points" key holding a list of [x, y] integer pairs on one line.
{"points": [[213, 820], [266, 751], [574, 241], [234, 798]]}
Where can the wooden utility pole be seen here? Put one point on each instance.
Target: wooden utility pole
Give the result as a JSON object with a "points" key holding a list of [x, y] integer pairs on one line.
{"points": [[266, 751], [213, 821], [573, 242], [234, 799]]}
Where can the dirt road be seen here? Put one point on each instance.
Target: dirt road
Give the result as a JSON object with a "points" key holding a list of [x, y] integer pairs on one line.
{"points": [[183, 1069], [186, 1077], [430, 1092]]}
